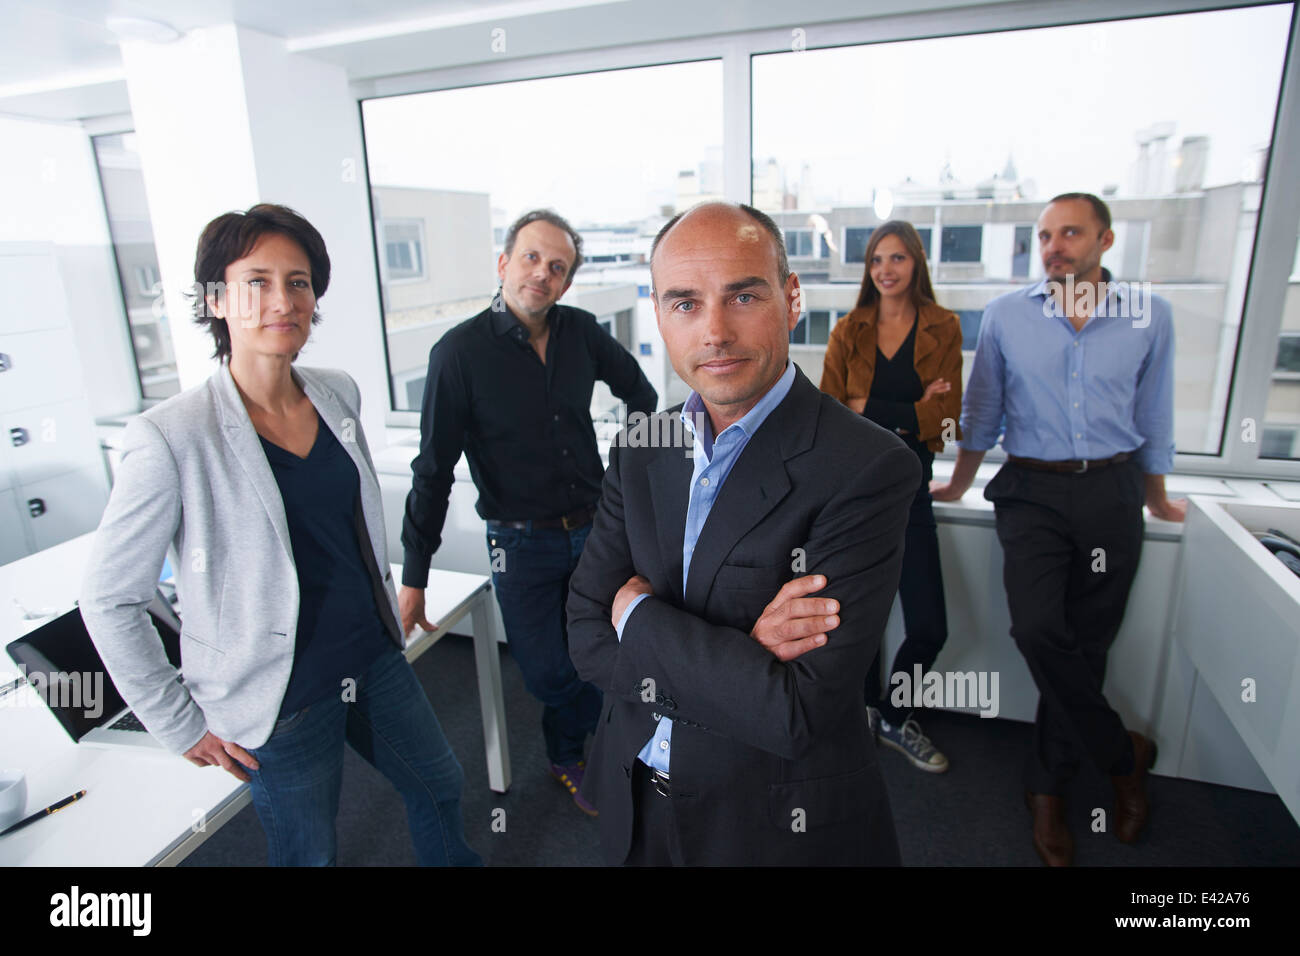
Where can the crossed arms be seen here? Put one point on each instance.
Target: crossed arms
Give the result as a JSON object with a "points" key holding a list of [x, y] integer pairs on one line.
{"points": [[759, 677]]}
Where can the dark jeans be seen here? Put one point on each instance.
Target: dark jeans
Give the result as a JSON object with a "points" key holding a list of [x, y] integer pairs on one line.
{"points": [[920, 588], [1070, 544], [392, 725], [530, 574]]}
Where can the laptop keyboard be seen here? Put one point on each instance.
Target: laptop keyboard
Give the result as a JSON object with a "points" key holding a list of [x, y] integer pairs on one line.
{"points": [[128, 721]]}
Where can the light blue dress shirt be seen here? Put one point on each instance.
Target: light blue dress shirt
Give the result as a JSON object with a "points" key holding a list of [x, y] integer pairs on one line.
{"points": [[714, 459], [1067, 395]]}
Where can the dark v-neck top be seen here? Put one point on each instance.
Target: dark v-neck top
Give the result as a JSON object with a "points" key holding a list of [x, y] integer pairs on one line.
{"points": [[896, 388], [340, 632]]}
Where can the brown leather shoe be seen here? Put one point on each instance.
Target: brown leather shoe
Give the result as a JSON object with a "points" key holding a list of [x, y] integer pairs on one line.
{"points": [[1131, 806], [1052, 838]]}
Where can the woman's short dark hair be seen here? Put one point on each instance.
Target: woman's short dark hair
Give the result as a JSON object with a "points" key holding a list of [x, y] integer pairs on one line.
{"points": [[922, 291], [229, 238]]}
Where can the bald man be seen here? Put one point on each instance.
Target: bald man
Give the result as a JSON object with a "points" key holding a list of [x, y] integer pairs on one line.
{"points": [[736, 583]]}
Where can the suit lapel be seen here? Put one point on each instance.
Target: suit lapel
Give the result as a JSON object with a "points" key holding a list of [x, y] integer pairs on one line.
{"points": [[758, 482], [670, 481], [238, 431], [925, 341]]}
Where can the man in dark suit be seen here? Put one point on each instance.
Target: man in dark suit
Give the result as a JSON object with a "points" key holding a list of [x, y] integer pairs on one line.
{"points": [[736, 583]]}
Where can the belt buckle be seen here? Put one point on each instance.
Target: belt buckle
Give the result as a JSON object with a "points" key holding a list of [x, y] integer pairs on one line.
{"points": [[568, 524], [660, 781], [1084, 468]]}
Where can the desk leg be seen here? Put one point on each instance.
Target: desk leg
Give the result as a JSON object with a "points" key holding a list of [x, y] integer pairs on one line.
{"points": [[488, 665]]}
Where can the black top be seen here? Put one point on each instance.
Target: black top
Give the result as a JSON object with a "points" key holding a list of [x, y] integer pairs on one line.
{"points": [[896, 388], [340, 632], [525, 426]]}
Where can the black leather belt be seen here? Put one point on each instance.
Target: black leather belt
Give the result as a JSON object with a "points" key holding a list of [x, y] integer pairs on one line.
{"points": [[1072, 467], [568, 522], [660, 781]]}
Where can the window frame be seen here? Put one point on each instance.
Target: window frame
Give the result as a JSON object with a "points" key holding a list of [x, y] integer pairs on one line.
{"points": [[1274, 253], [386, 273]]}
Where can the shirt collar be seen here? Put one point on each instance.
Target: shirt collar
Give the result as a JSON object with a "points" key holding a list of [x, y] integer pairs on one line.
{"points": [[505, 322], [694, 411], [1039, 288]]}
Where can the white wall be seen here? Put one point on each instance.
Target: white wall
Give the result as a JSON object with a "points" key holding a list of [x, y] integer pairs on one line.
{"points": [[49, 192]]}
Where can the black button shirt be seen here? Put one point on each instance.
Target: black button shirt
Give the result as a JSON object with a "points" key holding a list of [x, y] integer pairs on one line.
{"points": [[525, 426]]}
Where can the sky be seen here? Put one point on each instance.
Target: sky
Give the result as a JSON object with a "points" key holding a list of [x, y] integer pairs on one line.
{"points": [[1064, 102], [599, 147]]}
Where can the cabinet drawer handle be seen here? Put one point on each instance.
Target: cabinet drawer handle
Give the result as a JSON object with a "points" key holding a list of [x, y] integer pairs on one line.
{"points": [[18, 436], [36, 506], [5, 362]]}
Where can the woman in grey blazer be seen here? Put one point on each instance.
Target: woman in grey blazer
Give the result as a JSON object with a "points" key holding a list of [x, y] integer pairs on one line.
{"points": [[261, 480]]}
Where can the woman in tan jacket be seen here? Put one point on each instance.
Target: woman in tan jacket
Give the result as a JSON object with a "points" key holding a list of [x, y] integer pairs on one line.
{"points": [[896, 358]]}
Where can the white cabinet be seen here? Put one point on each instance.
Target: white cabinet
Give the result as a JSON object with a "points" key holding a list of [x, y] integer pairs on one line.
{"points": [[13, 533], [1238, 625], [53, 485]]}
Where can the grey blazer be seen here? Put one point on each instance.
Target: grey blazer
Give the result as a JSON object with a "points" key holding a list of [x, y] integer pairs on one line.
{"points": [[194, 475]]}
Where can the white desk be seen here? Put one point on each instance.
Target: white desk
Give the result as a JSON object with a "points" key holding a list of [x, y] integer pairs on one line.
{"points": [[155, 808]]}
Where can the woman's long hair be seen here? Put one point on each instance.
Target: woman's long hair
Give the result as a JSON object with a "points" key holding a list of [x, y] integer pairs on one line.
{"points": [[922, 291]]}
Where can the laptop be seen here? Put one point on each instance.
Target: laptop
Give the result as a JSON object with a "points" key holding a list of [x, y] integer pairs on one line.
{"points": [[80, 694]]}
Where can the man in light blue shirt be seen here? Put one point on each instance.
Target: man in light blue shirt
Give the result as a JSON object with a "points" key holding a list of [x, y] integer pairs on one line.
{"points": [[736, 583], [1075, 374]]}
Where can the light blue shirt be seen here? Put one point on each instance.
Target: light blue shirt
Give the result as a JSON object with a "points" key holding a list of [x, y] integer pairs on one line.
{"points": [[714, 458], [1065, 395]]}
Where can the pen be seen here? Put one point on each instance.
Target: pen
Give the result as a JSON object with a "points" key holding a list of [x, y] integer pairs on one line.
{"points": [[12, 686], [53, 808]]}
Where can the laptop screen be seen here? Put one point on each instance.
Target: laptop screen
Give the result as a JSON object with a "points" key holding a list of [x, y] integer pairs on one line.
{"points": [[64, 668]]}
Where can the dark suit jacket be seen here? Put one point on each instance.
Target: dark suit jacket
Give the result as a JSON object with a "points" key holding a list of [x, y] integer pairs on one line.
{"points": [[772, 763]]}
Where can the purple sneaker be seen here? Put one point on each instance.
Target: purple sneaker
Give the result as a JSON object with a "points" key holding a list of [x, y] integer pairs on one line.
{"points": [[571, 777]]}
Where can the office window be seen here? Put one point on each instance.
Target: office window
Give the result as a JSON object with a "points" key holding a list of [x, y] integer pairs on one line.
{"points": [[1280, 431], [799, 242], [404, 249], [1288, 354], [961, 243], [799, 334], [1022, 251], [1278, 443], [819, 327], [925, 233], [1181, 165], [131, 231], [970, 327], [450, 163], [814, 328], [855, 244]]}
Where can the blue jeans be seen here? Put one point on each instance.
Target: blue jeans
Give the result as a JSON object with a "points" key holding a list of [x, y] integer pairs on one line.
{"points": [[530, 574], [391, 724]]}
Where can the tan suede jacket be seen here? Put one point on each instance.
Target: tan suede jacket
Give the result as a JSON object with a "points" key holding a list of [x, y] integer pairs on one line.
{"points": [[851, 363]]}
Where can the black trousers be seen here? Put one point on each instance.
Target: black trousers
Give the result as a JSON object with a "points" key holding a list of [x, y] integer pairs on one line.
{"points": [[920, 589], [1071, 544], [654, 828]]}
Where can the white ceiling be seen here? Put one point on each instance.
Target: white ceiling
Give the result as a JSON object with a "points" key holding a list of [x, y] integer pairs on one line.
{"points": [[59, 61], [58, 43]]}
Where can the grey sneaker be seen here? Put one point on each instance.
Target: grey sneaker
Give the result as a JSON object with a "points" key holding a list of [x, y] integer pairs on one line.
{"points": [[914, 745], [873, 721]]}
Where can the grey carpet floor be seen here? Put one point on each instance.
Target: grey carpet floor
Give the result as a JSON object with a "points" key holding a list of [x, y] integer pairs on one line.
{"points": [[973, 815]]}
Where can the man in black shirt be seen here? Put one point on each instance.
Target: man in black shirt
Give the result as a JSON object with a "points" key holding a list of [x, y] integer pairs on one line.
{"points": [[511, 388]]}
